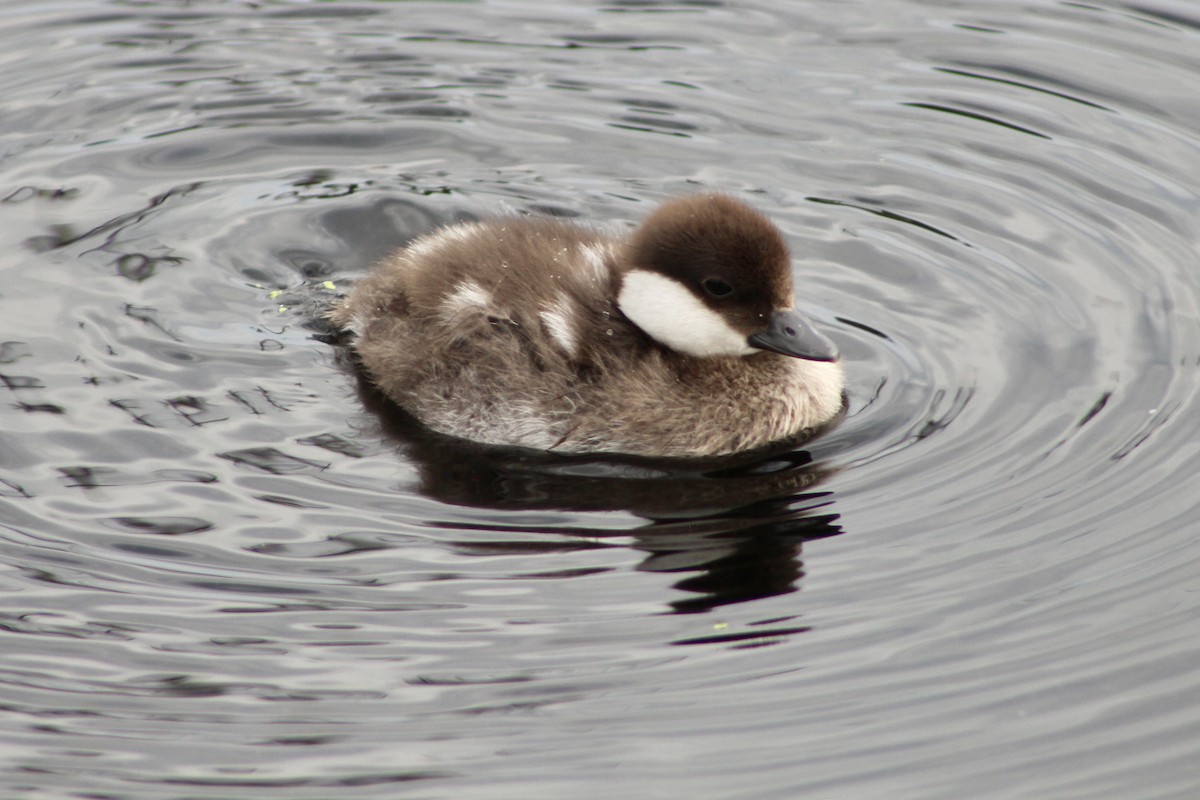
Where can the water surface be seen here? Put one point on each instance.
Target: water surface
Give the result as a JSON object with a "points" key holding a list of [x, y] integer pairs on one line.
{"points": [[227, 576]]}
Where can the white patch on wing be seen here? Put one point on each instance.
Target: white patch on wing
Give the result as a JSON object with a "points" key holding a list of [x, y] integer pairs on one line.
{"points": [[466, 296], [673, 316], [595, 257], [557, 320]]}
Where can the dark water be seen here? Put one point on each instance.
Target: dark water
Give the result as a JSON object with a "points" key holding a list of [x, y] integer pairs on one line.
{"points": [[224, 578]]}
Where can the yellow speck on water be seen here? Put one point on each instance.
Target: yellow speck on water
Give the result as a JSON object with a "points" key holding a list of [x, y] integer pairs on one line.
{"points": [[275, 293], [329, 285], [720, 626], [283, 309]]}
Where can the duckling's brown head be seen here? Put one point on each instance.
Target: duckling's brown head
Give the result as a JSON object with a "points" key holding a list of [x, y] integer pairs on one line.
{"points": [[707, 275]]}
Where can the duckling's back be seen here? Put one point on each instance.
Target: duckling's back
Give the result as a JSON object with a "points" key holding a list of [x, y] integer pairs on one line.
{"points": [[489, 330]]}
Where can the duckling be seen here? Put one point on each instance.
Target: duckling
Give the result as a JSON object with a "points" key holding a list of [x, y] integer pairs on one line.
{"points": [[680, 340]]}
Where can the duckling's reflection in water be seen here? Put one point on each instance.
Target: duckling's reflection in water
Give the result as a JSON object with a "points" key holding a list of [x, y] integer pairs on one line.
{"points": [[734, 525]]}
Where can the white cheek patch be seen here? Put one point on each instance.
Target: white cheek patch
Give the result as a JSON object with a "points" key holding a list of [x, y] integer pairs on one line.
{"points": [[557, 320], [673, 316]]}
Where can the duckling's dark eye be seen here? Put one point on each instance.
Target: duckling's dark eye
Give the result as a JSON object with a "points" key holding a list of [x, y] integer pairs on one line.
{"points": [[717, 287]]}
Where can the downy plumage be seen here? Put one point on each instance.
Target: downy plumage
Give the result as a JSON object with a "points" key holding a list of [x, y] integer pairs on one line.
{"points": [[679, 340]]}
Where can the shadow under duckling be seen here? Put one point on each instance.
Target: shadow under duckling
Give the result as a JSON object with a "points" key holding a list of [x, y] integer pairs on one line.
{"points": [[732, 527]]}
